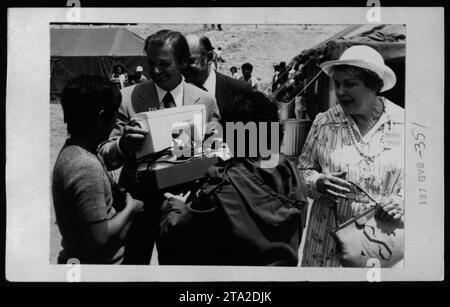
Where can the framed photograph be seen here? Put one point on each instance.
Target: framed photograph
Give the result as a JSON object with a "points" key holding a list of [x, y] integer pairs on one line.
{"points": [[306, 59]]}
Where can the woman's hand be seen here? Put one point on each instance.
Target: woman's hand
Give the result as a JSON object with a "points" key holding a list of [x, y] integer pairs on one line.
{"points": [[333, 185], [392, 207]]}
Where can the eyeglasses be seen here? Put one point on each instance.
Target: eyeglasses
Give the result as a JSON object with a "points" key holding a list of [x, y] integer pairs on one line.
{"points": [[196, 60]]}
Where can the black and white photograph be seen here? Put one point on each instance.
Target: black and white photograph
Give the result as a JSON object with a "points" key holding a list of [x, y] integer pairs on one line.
{"points": [[252, 144]]}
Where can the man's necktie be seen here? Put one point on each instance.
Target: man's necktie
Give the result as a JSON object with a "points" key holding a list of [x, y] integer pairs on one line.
{"points": [[168, 101]]}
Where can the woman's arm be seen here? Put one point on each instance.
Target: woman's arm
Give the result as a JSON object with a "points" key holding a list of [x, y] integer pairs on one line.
{"points": [[331, 185]]}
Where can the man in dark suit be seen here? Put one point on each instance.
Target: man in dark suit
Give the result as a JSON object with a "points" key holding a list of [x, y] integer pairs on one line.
{"points": [[167, 55], [201, 72]]}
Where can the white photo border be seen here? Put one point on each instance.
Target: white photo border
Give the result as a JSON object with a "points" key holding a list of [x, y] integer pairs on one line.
{"points": [[28, 133]]}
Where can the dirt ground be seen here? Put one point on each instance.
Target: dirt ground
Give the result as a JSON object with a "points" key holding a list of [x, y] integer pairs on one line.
{"points": [[261, 45]]}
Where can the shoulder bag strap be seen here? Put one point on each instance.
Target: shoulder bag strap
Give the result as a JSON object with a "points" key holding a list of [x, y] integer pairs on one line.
{"points": [[283, 198], [355, 218]]}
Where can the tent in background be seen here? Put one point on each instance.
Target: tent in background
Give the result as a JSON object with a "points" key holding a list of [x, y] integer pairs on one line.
{"points": [[92, 51], [389, 40]]}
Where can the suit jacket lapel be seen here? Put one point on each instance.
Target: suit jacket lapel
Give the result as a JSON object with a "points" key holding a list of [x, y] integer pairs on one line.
{"points": [[145, 98], [221, 91], [189, 96]]}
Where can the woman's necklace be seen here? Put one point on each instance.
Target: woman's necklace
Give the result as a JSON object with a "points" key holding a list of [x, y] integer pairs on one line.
{"points": [[367, 155]]}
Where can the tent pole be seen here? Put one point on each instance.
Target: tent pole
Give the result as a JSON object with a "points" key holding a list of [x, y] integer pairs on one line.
{"points": [[302, 90]]}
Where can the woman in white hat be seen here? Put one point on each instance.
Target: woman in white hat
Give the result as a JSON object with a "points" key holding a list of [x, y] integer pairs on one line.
{"points": [[361, 140]]}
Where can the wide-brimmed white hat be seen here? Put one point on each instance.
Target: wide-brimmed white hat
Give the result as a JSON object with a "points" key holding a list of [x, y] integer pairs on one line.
{"points": [[367, 58], [139, 68]]}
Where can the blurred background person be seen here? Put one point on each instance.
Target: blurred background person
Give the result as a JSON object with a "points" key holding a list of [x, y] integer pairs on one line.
{"points": [[292, 72], [219, 54], [92, 214], [291, 88], [234, 72], [247, 70], [138, 76], [301, 106], [283, 73], [119, 76]]}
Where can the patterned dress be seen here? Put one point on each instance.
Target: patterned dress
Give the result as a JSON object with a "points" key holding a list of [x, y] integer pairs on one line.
{"points": [[374, 161]]}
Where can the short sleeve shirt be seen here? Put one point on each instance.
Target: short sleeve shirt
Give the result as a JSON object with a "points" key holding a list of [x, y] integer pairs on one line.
{"points": [[82, 194]]}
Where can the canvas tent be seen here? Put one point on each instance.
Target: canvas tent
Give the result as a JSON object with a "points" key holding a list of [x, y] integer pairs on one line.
{"points": [[93, 51], [389, 40]]}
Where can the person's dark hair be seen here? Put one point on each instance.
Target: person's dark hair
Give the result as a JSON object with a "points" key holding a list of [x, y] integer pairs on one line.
{"points": [[282, 65], [233, 68], [276, 68], [370, 79], [247, 66], [176, 41], [82, 100], [118, 66], [252, 107]]}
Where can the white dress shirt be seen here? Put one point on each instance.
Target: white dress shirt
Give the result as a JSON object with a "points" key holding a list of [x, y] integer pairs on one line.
{"points": [[177, 94], [210, 83]]}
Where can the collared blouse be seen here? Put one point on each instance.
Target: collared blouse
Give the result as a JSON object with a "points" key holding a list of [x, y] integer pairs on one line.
{"points": [[374, 161]]}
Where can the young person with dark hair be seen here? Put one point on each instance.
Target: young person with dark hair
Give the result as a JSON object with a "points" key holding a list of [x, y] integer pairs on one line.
{"points": [[234, 72], [247, 70], [276, 73], [283, 74], [252, 108], [119, 76], [84, 197], [246, 213]]}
